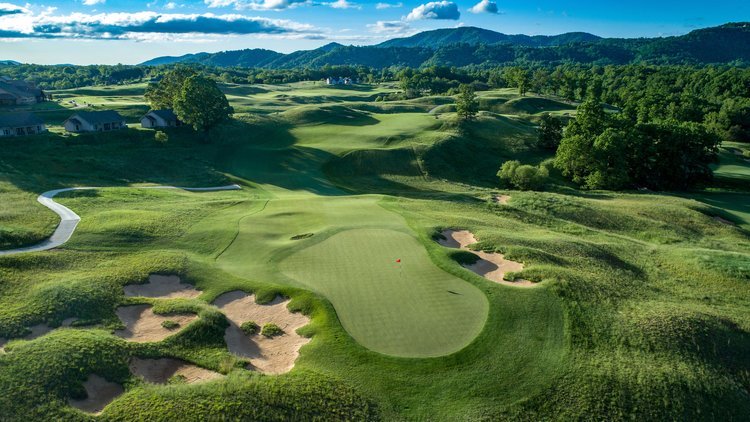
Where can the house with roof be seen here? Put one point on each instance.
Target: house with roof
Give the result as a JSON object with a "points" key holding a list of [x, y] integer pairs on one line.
{"points": [[339, 81], [15, 92], [95, 121], [160, 118], [20, 124]]}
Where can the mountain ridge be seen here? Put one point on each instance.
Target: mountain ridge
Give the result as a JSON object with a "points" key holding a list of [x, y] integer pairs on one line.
{"points": [[467, 46]]}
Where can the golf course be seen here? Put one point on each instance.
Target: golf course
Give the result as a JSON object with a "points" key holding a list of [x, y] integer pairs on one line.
{"points": [[326, 223]]}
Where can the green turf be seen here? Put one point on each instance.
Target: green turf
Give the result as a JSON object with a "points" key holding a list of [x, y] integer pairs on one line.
{"points": [[642, 311], [408, 308]]}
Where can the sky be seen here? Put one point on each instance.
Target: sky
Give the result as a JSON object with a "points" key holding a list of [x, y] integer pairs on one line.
{"points": [[132, 31]]}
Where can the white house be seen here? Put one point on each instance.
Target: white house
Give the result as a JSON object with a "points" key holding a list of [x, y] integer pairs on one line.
{"points": [[339, 81], [15, 92], [160, 118], [19, 124], [95, 121]]}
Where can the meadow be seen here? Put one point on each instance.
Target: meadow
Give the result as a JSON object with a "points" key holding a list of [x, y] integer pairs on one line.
{"points": [[641, 309]]}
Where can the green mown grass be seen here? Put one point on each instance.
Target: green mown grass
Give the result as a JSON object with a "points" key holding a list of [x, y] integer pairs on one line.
{"points": [[642, 311]]}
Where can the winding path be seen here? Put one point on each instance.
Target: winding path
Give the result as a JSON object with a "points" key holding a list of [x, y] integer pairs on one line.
{"points": [[69, 220]]}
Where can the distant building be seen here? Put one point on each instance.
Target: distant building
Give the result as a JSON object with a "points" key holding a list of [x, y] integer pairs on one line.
{"points": [[95, 121], [160, 118], [339, 81], [20, 124], [14, 92]]}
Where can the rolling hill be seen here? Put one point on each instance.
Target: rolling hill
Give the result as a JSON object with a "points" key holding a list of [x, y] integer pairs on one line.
{"points": [[465, 46]]}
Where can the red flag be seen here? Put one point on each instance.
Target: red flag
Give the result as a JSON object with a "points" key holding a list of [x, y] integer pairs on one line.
{"points": [[398, 260]]}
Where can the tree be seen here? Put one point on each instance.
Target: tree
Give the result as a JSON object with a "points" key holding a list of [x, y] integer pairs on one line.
{"points": [[467, 105], [163, 94], [523, 176], [550, 132], [201, 104]]}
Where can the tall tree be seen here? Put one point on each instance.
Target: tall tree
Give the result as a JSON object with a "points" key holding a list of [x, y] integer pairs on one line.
{"points": [[163, 94], [550, 132], [201, 104], [467, 105]]}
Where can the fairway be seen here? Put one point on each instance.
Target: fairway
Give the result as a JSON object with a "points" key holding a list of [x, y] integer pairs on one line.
{"points": [[410, 308]]}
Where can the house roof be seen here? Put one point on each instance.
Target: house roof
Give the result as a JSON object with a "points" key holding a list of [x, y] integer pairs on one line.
{"points": [[20, 88], [21, 119], [98, 117], [167, 115]]}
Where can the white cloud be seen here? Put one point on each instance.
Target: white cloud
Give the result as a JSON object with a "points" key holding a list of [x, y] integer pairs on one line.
{"points": [[170, 6], [389, 27], [343, 4], [93, 2], [11, 9], [381, 6], [143, 25], [435, 10], [257, 4], [485, 6]]}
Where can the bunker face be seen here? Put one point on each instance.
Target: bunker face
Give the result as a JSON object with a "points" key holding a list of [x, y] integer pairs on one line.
{"points": [[162, 286], [492, 266], [142, 325], [274, 355], [100, 393], [410, 309], [160, 371], [501, 199]]}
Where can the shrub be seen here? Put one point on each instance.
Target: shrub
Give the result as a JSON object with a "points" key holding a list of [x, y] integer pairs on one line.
{"points": [[746, 153], [271, 330], [523, 176], [250, 327], [170, 325], [161, 137]]}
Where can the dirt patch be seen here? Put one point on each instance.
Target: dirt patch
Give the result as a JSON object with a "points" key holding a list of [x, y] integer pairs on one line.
{"points": [[164, 287], [723, 221], [100, 393], [492, 266], [501, 199], [159, 371], [273, 355], [142, 325]]}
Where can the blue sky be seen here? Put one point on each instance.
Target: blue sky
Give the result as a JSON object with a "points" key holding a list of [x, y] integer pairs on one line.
{"points": [[131, 31]]}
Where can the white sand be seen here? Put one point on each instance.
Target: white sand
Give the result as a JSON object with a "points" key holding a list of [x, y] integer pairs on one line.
{"points": [[100, 393], [274, 355], [492, 266], [142, 325], [159, 371]]}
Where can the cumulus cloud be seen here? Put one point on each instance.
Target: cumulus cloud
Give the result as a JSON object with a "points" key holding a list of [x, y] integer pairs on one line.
{"points": [[142, 25], [257, 4], [435, 10], [343, 4], [93, 2], [381, 6], [389, 27], [485, 6]]}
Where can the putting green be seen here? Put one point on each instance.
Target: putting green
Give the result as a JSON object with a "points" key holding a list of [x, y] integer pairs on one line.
{"points": [[408, 309]]}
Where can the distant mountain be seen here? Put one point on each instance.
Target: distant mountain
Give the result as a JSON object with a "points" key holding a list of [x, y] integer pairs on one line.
{"points": [[468, 46], [474, 36], [9, 63]]}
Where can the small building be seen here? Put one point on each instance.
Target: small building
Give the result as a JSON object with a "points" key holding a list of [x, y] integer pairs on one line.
{"points": [[15, 92], [20, 124], [339, 81], [160, 118], [95, 121]]}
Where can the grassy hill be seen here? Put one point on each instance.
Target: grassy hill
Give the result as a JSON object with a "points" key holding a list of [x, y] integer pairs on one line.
{"points": [[640, 311]]}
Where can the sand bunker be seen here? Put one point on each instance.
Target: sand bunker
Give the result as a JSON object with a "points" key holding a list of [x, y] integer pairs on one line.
{"points": [[142, 325], [162, 286], [274, 355], [100, 393], [492, 266], [159, 371], [501, 199], [38, 331]]}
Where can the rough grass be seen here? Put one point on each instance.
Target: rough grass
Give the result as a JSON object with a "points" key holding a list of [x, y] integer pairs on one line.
{"points": [[642, 312]]}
